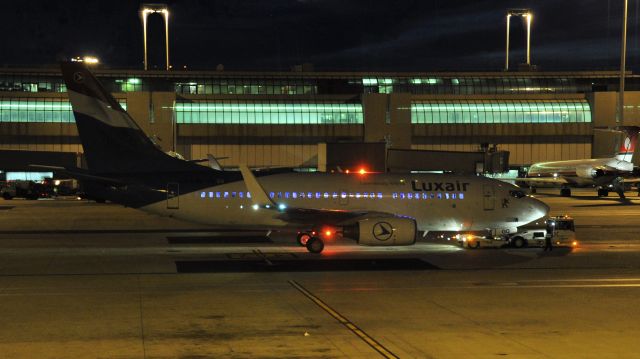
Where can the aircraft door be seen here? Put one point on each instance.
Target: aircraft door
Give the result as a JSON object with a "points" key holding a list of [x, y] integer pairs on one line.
{"points": [[173, 193], [488, 197]]}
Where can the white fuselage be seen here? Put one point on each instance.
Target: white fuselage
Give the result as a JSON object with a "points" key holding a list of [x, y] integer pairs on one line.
{"points": [[579, 171], [436, 202]]}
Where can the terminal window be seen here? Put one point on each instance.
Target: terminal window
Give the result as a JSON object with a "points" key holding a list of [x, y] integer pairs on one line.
{"points": [[50, 110], [504, 111], [272, 112]]}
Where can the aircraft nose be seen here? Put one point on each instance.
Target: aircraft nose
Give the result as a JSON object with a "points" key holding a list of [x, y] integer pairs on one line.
{"points": [[540, 208]]}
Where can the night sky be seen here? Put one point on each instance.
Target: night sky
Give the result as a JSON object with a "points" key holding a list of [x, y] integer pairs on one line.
{"points": [[331, 34]]}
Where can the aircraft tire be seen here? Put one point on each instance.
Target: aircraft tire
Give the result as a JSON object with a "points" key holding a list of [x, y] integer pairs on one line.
{"points": [[603, 193], [473, 245], [315, 245], [303, 238], [518, 242], [7, 196], [565, 192]]}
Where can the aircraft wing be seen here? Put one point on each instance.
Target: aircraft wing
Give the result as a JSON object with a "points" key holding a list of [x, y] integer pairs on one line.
{"points": [[326, 216], [550, 180], [631, 180]]}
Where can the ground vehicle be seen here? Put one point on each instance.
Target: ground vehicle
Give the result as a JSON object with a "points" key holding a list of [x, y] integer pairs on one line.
{"points": [[561, 229], [24, 189]]}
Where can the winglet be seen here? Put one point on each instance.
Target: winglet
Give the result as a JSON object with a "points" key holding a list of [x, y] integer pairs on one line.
{"points": [[213, 162], [258, 194]]}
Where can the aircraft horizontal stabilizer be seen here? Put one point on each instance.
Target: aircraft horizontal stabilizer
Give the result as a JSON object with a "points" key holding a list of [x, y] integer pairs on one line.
{"points": [[80, 174]]}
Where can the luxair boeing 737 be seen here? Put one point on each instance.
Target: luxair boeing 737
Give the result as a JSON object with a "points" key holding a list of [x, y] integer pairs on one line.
{"points": [[124, 166]]}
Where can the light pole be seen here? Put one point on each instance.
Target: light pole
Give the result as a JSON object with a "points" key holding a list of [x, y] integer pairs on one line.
{"points": [[145, 11], [623, 58], [526, 14]]}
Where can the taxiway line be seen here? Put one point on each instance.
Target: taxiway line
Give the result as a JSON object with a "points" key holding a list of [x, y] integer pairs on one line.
{"points": [[386, 353]]}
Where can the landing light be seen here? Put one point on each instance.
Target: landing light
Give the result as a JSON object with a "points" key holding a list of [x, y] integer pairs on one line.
{"points": [[282, 206], [255, 207]]}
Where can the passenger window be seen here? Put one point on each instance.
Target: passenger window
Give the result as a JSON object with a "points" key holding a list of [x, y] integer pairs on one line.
{"points": [[240, 194], [233, 194], [461, 196], [439, 195], [334, 195], [394, 195], [217, 194], [401, 195], [318, 194], [226, 195], [446, 195], [410, 195], [326, 195], [309, 195], [294, 195], [279, 194], [203, 194], [379, 195], [425, 196], [272, 194], [365, 195], [453, 196], [210, 194], [357, 194], [343, 195], [248, 194], [286, 195]]}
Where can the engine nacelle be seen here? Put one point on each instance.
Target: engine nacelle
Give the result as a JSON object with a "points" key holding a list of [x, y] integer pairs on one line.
{"points": [[390, 231], [588, 172]]}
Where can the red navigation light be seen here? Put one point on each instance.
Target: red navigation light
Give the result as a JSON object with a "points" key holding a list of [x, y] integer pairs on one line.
{"points": [[328, 233], [362, 171], [347, 171]]}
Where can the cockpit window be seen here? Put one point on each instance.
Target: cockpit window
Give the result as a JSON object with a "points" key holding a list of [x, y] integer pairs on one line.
{"points": [[517, 193]]}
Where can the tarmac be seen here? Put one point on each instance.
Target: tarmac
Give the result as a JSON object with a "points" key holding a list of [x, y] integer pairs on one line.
{"points": [[85, 280]]}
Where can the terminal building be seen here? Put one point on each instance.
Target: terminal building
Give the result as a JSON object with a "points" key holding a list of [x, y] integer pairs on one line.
{"points": [[295, 118]]}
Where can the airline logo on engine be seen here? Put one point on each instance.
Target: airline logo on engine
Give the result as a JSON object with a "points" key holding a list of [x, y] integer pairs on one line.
{"points": [[439, 186], [382, 231]]}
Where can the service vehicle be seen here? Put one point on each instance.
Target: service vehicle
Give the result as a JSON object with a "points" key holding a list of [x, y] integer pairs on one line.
{"points": [[561, 230]]}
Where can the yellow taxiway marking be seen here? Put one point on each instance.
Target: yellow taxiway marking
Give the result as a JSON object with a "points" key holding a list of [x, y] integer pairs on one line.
{"points": [[386, 353]]}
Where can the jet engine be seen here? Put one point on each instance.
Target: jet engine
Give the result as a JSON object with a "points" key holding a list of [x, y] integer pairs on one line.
{"points": [[588, 172], [384, 231]]}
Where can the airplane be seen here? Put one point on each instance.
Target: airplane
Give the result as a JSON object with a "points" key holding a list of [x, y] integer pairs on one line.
{"points": [[602, 173], [375, 209]]}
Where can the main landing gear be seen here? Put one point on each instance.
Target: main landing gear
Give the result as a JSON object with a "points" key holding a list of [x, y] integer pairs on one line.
{"points": [[603, 192], [565, 191], [314, 244]]}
